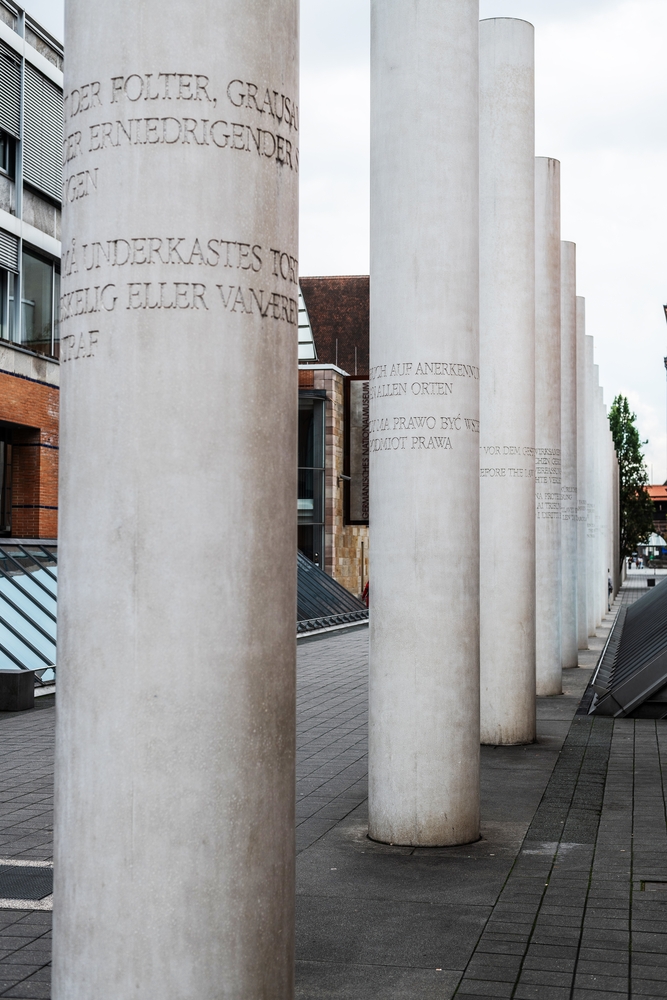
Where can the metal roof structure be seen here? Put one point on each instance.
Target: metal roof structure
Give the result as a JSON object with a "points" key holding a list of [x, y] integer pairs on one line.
{"points": [[322, 602], [631, 678]]}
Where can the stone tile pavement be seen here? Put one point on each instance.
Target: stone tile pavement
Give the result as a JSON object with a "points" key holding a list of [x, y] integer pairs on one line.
{"points": [[26, 833], [555, 900]]}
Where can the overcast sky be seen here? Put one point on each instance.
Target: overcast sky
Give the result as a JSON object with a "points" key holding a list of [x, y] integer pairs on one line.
{"points": [[601, 110]]}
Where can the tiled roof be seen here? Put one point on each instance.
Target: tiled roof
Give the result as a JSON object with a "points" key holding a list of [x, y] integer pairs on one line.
{"points": [[657, 492], [338, 311]]}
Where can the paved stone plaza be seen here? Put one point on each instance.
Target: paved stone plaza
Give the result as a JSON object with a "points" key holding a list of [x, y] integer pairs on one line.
{"points": [[554, 903]]}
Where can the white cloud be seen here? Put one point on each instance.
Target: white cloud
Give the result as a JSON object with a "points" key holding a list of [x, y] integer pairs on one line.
{"points": [[335, 126], [602, 110]]}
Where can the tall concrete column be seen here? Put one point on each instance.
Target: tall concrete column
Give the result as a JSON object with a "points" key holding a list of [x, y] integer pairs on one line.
{"points": [[582, 516], [424, 439], [547, 426], [611, 575], [591, 565], [568, 437], [507, 381], [617, 577], [174, 858], [603, 561], [599, 498]]}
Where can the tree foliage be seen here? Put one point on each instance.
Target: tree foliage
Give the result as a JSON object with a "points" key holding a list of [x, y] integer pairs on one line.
{"points": [[636, 504]]}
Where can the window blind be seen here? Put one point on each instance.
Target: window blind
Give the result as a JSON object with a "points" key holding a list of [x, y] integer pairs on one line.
{"points": [[42, 133]]}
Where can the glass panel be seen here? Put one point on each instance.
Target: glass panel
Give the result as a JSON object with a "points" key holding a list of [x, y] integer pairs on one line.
{"points": [[28, 585], [4, 152], [20, 558], [37, 304], [25, 630], [15, 590], [18, 649], [306, 350], [311, 433], [56, 315], [33, 635], [311, 542], [6, 663], [42, 560], [11, 325], [5, 279], [310, 502]]}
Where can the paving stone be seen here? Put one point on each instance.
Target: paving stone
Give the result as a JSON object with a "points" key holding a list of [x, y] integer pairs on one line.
{"points": [[646, 987], [484, 988], [539, 909]]}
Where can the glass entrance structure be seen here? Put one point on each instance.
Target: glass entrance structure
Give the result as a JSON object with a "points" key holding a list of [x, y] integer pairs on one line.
{"points": [[28, 602]]}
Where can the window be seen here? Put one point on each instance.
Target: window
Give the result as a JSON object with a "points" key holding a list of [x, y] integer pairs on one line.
{"points": [[6, 304], [6, 157], [310, 501], [39, 305], [40, 326], [6, 479]]}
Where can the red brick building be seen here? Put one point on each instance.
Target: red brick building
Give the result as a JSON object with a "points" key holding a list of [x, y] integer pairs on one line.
{"points": [[28, 445], [31, 138], [658, 495]]}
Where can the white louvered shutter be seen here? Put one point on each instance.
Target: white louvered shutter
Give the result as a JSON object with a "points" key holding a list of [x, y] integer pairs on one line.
{"points": [[9, 251], [42, 133], [10, 90]]}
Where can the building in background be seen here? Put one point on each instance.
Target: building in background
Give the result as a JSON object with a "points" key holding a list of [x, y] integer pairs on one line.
{"points": [[31, 154], [333, 426], [658, 495], [333, 332]]}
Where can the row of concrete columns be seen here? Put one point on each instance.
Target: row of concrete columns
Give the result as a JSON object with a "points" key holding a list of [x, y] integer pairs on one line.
{"points": [[176, 695], [547, 469]]}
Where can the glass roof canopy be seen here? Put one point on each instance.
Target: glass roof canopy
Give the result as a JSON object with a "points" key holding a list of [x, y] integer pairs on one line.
{"points": [[28, 595], [307, 350]]}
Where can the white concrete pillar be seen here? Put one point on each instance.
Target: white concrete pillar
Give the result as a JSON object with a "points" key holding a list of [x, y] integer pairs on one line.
{"points": [[174, 855], [591, 564], [424, 441], [568, 437], [616, 521], [507, 381], [602, 508], [599, 499], [547, 426], [610, 503], [582, 518]]}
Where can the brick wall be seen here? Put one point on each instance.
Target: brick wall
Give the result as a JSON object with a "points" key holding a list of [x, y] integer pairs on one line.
{"points": [[32, 407]]}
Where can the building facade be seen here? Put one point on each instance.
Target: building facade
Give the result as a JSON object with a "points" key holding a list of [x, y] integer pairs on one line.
{"points": [[333, 427], [658, 495], [31, 152]]}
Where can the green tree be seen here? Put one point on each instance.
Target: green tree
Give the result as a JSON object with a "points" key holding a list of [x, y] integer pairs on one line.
{"points": [[636, 504]]}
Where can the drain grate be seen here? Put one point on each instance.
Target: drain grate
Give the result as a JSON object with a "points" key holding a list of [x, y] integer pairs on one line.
{"points": [[654, 886], [25, 883]]}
